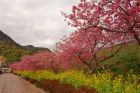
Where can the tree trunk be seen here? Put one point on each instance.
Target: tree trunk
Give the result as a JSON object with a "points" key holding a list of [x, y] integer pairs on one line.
{"points": [[136, 38], [93, 67]]}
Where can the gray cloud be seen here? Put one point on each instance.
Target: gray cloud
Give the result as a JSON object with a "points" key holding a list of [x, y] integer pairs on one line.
{"points": [[36, 22]]}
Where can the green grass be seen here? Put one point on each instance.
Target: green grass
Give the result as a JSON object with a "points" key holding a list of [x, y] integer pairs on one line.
{"points": [[128, 58]]}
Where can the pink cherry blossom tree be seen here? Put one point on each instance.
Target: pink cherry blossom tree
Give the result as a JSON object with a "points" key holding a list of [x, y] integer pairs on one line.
{"points": [[121, 16], [82, 47]]}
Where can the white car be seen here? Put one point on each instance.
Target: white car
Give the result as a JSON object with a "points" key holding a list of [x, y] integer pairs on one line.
{"points": [[5, 70]]}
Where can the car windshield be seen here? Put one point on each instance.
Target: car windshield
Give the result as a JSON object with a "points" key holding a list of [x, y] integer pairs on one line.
{"points": [[5, 66]]}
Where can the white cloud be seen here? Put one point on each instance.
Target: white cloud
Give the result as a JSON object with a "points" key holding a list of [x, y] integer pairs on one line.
{"points": [[37, 22]]}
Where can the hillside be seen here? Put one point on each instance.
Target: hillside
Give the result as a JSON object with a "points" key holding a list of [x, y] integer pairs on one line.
{"points": [[6, 39], [127, 59], [13, 51], [34, 49]]}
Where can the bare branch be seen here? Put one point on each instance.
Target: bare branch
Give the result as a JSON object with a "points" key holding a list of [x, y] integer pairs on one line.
{"points": [[105, 29], [84, 61], [112, 55]]}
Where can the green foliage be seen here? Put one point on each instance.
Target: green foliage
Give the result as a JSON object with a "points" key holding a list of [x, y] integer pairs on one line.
{"points": [[15, 52], [127, 59], [104, 82], [12, 52]]}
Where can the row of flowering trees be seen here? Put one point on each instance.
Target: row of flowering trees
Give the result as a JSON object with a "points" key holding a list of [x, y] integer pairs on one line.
{"points": [[100, 24], [37, 61]]}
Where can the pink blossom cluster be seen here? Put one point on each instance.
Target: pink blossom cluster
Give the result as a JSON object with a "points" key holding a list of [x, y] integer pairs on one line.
{"points": [[121, 16], [37, 61]]}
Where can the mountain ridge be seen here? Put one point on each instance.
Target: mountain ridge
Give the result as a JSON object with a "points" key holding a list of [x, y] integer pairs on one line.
{"points": [[13, 51], [5, 38]]}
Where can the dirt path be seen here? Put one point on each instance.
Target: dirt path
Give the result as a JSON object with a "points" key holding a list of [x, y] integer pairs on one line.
{"points": [[10, 83]]}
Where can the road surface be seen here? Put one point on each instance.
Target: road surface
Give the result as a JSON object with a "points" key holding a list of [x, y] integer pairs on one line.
{"points": [[10, 83]]}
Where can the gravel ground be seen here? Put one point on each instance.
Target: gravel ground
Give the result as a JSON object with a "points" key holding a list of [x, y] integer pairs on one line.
{"points": [[10, 83]]}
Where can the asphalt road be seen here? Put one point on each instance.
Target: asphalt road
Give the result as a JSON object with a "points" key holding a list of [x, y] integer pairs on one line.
{"points": [[10, 83]]}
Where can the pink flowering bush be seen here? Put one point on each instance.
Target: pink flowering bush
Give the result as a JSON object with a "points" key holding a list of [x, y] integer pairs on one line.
{"points": [[37, 61]]}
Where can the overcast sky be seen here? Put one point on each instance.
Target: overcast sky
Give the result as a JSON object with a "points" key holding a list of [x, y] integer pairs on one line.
{"points": [[35, 22]]}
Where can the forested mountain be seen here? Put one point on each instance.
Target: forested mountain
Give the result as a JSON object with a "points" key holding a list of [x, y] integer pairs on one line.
{"points": [[13, 51]]}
